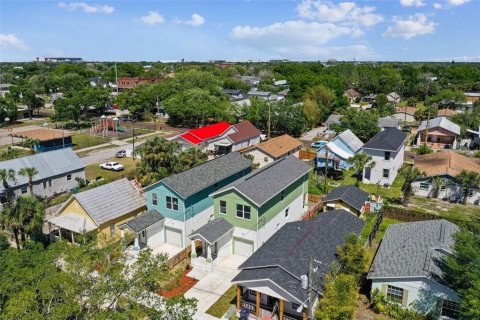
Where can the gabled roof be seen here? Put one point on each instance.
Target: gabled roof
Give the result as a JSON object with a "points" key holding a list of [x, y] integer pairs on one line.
{"points": [[212, 231], [351, 93], [350, 139], [408, 110], [43, 134], [245, 130], [280, 146], [413, 249], [351, 195], [48, 164], [445, 163], [446, 113], [283, 258], [441, 122], [110, 201], [390, 139], [143, 221], [388, 122], [262, 184], [198, 178], [259, 93], [198, 135], [334, 118]]}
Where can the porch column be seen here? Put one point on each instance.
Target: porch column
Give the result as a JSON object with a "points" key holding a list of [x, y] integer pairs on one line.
{"points": [[122, 233], [193, 254], [239, 296], [136, 245], [209, 253], [59, 233], [73, 237], [280, 310], [305, 315], [257, 306]]}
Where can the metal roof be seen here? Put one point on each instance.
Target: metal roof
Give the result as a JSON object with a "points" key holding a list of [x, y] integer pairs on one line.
{"points": [[48, 164], [441, 122], [350, 139]]}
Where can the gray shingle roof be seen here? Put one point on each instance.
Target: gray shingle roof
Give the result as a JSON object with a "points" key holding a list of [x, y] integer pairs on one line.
{"points": [[213, 230], [441, 122], [413, 249], [390, 139], [49, 164], [261, 185], [351, 195], [110, 201], [334, 118], [143, 221], [388, 122], [191, 181], [284, 257]]}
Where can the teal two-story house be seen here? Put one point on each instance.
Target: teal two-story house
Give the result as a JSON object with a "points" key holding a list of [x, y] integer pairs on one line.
{"points": [[250, 210], [182, 202]]}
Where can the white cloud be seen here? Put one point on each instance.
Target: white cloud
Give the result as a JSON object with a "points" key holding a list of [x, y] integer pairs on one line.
{"points": [[412, 3], [415, 25], [461, 59], [11, 41], [196, 20], [301, 40], [348, 13], [457, 2], [437, 5], [87, 8], [152, 18]]}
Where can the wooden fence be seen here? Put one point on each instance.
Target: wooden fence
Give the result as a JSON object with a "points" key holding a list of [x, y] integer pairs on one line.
{"points": [[375, 228], [407, 215], [312, 212], [182, 255], [307, 155]]}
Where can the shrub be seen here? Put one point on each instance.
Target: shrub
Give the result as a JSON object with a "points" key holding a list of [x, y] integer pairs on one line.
{"points": [[393, 310], [339, 298]]}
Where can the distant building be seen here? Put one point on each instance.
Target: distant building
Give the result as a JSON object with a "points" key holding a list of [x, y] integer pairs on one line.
{"points": [[442, 133], [280, 83], [332, 120], [59, 59], [405, 114], [235, 94], [4, 89], [352, 95], [388, 122], [48, 139], [128, 82], [265, 95]]}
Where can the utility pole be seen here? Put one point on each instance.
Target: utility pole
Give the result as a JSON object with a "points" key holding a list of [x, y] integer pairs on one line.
{"points": [[326, 169], [63, 137], [310, 288], [269, 121], [133, 140], [116, 76]]}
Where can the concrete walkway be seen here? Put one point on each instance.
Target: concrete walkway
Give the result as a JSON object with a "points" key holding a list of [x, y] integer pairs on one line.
{"points": [[310, 135], [212, 285]]}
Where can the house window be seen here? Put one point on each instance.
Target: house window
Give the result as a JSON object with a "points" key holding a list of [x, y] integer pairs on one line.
{"points": [[442, 188], [265, 159], [295, 306], [286, 213], [243, 211], [424, 185], [387, 155], [69, 177], [154, 199], [112, 229], [172, 203], [24, 190], [282, 197], [395, 294], [450, 309], [223, 207], [386, 173]]}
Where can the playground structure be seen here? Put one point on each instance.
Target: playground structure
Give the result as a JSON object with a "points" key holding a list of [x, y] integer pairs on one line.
{"points": [[106, 124]]}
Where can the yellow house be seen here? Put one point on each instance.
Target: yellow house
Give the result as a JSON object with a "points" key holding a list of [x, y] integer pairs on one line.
{"points": [[98, 211], [349, 198]]}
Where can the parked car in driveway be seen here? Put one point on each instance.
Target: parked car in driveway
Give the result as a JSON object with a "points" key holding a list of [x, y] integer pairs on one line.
{"points": [[318, 144], [121, 154], [114, 166]]}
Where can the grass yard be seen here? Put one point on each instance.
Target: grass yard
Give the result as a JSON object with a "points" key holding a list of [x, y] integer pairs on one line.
{"points": [[221, 306], [84, 141], [93, 171]]}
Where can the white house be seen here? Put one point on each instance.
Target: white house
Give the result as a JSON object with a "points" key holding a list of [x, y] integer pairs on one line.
{"points": [[406, 268], [386, 149]]}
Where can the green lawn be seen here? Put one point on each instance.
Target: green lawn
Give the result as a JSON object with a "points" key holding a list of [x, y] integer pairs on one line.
{"points": [[94, 171], [221, 306], [84, 141]]}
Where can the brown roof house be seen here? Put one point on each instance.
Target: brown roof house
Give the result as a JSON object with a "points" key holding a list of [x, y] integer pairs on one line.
{"points": [[446, 113], [405, 114], [441, 170], [274, 149], [48, 139], [352, 95]]}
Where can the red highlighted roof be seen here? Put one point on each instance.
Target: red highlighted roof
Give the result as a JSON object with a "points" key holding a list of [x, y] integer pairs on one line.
{"points": [[196, 136]]}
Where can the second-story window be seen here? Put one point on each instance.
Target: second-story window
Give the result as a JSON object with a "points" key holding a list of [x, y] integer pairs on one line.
{"points": [[172, 203], [243, 211], [223, 207], [154, 199], [387, 155]]}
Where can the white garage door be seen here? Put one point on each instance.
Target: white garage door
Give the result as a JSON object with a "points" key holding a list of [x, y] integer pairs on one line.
{"points": [[242, 247], [173, 236]]}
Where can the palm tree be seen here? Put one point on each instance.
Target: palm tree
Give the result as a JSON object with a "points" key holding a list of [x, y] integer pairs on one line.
{"points": [[7, 175], [30, 212], [30, 144], [361, 160], [30, 173], [189, 158], [468, 180], [410, 174], [9, 220]]}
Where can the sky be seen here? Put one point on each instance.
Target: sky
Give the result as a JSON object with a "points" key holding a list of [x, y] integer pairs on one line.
{"points": [[387, 30]]}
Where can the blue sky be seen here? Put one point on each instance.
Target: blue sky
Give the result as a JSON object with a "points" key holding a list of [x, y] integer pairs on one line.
{"points": [[400, 30]]}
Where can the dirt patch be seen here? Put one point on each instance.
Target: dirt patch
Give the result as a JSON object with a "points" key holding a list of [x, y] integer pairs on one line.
{"points": [[363, 311], [185, 284]]}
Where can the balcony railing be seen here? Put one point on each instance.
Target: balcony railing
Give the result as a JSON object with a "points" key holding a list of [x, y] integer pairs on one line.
{"points": [[265, 310]]}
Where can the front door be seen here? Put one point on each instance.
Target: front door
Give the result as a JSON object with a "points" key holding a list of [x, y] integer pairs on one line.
{"points": [[368, 171], [142, 237]]}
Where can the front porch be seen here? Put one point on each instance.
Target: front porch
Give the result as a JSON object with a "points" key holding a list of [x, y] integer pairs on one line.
{"points": [[70, 227], [260, 305]]}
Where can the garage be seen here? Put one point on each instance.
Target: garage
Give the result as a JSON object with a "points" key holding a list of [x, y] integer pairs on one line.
{"points": [[173, 236], [242, 247]]}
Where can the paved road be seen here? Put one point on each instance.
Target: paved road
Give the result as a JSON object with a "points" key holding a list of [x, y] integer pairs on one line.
{"points": [[102, 155], [313, 133]]}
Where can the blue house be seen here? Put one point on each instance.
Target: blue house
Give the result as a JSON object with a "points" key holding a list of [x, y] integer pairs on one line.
{"points": [[182, 200], [338, 151]]}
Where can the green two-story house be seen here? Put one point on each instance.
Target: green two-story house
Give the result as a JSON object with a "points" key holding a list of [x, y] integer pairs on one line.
{"points": [[250, 210], [181, 203]]}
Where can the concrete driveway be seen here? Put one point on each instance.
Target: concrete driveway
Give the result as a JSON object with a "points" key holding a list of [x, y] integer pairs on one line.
{"points": [[212, 285], [310, 135]]}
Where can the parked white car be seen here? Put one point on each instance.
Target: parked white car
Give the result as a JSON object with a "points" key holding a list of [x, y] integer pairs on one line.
{"points": [[114, 166]]}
